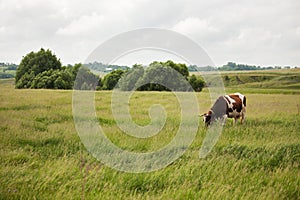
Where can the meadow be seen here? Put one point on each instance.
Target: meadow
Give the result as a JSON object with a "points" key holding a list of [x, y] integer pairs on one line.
{"points": [[42, 156], [284, 81]]}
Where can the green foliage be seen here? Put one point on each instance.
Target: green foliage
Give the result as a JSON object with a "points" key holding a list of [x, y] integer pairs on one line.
{"points": [[44, 70], [130, 78], [53, 79], [231, 66], [84, 78], [25, 80], [179, 67], [35, 63], [159, 76], [197, 83], [8, 66], [110, 80]]}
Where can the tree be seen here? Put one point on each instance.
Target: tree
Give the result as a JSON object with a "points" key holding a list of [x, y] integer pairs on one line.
{"points": [[130, 78], [63, 80], [84, 78], [160, 76], [179, 67], [53, 79], [44, 70], [231, 66], [33, 64], [196, 82], [74, 70], [110, 80], [25, 81]]}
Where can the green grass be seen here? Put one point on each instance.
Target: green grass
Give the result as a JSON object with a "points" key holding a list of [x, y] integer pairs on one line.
{"points": [[263, 81], [276, 79], [4, 70], [42, 157]]}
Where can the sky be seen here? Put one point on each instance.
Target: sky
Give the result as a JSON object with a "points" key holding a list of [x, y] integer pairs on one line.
{"points": [[256, 32]]}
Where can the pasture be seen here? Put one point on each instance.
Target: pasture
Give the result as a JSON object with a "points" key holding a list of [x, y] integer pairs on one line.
{"points": [[42, 157]]}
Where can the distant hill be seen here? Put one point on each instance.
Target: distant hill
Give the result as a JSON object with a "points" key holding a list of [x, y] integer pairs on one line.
{"points": [[195, 68], [260, 79], [7, 70], [9, 66], [98, 66], [231, 66]]}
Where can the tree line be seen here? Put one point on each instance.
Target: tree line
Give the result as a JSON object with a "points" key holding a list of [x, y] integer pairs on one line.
{"points": [[231, 66], [158, 76], [43, 69]]}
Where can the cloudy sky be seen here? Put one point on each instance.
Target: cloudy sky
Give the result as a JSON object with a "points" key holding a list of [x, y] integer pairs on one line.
{"points": [[259, 32]]}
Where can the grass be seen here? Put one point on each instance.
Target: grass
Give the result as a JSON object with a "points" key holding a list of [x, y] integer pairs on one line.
{"points": [[42, 157], [262, 81], [4, 70]]}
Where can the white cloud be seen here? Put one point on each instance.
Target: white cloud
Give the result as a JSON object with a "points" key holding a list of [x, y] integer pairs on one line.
{"points": [[194, 26], [258, 32], [83, 25]]}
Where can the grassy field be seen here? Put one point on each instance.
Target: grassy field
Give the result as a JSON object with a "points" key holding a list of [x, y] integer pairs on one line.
{"points": [[263, 81], [42, 157], [5, 70]]}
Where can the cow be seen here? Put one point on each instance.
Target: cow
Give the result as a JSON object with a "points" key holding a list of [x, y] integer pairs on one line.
{"points": [[227, 106]]}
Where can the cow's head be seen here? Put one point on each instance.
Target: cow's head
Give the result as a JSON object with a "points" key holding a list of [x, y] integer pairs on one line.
{"points": [[207, 118]]}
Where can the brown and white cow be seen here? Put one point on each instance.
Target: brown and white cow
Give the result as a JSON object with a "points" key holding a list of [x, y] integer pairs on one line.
{"points": [[227, 106]]}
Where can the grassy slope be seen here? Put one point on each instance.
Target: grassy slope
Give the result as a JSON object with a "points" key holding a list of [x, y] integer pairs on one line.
{"points": [[42, 156], [281, 81], [12, 72]]}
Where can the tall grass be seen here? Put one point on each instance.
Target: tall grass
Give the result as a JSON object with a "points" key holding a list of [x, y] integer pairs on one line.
{"points": [[42, 156]]}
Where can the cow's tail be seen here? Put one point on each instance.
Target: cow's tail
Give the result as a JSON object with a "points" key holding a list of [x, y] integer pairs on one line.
{"points": [[244, 101]]}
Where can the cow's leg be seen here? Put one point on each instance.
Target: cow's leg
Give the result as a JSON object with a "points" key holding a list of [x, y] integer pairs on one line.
{"points": [[235, 119], [224, 120], [243, 116]]}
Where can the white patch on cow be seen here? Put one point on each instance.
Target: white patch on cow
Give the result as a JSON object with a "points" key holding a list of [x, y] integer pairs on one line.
{"points": [[229, 101], [234, 114]]}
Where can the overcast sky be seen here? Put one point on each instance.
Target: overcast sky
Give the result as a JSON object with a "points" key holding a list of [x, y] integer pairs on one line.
{"points": [[259, 32]]}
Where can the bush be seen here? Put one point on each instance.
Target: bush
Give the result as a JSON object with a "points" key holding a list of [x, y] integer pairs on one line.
{"points": [[44, 70], [33, 64], [196, 82], [162, 77], [110, 80]]}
